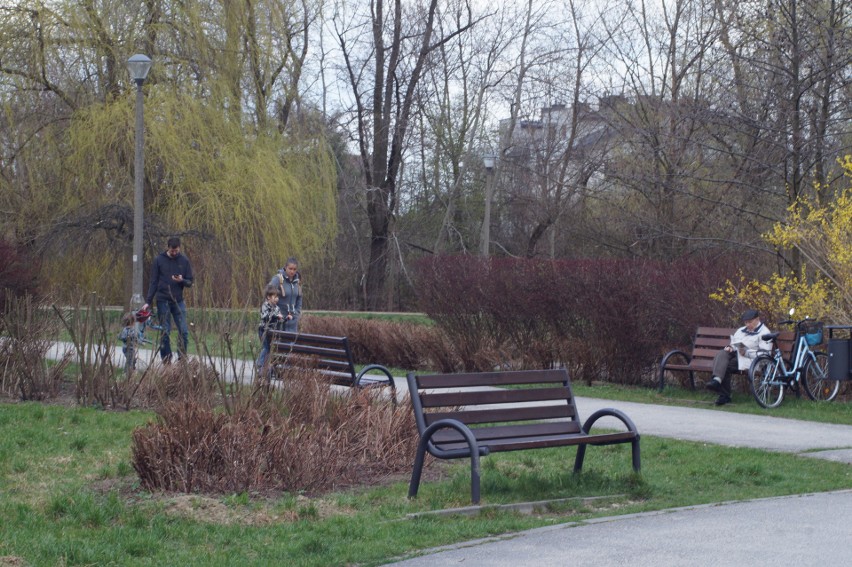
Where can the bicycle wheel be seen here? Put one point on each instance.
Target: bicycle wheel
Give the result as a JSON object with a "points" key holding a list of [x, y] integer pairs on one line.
{"points": [[764, 382], [817, 385]]}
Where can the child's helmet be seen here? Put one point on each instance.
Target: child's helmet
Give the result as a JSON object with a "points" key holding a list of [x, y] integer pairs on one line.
{"points": [[143, 315]]}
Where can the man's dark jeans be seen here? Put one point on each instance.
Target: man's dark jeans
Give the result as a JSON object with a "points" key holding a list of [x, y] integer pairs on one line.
{"points": [[166, 311]]}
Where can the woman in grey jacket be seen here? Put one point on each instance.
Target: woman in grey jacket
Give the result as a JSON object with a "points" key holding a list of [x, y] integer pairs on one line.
{"points": [[289, 284]]}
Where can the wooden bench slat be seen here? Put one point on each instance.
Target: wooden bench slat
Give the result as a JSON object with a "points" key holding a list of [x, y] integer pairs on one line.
{"points": [[313, 363], [715, 331], [707, 353], [484, 434], [291, 348], [543, 441], [507, 378], [505, 414], [505, 396]]}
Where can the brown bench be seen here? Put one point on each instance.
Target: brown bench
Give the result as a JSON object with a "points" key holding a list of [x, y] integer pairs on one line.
{"points": [[472, 415], [707, 342], [330, 356]]}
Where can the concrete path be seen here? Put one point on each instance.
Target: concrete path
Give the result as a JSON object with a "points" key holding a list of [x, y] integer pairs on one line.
{"points": [[809, 530]]}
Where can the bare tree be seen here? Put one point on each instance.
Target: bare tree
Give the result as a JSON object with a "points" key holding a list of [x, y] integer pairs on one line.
{"points": [[386, 53]]}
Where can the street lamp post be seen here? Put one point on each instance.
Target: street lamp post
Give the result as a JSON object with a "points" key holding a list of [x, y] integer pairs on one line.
{"points": [[489, 162], [138, 65]]}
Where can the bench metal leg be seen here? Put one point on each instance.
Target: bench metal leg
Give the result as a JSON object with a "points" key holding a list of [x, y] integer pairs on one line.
{"points": [[473, 450], [581, 455], [417, 471], [634, 449], [474, 478]]}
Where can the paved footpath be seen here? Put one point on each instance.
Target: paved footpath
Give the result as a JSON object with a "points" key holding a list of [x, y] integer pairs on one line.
{"points": [[809, 530]]}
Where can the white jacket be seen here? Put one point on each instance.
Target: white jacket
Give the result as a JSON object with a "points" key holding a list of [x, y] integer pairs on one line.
{"points": [[752, 344]]}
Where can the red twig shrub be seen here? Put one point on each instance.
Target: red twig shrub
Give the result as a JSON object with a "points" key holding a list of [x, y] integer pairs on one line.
{"points": [[604, 319], [27, 328]]}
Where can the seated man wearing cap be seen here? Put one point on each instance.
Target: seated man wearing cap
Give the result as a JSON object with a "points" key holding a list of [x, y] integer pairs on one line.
{"points": [[738, 355]]}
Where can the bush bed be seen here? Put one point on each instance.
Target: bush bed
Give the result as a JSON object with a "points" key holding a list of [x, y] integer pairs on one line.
{"points": [[604, 319]]}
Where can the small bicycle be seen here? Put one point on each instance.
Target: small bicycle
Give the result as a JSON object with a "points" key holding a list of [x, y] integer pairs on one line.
{"points": [[769, 374]]}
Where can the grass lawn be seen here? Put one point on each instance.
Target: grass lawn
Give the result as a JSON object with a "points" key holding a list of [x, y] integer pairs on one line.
{"points": [[838, 411], [68, 496]]}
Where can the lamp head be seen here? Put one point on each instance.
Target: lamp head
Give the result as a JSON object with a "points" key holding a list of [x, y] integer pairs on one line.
{"points": [[139, 65]]}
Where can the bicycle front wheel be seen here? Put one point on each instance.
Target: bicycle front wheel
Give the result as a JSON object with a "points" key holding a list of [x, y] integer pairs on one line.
{"points": [[818, 386], [764, 381]]}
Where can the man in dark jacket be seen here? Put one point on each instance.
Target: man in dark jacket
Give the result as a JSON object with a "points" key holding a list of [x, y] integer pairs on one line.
{"points": [[170, 274]]}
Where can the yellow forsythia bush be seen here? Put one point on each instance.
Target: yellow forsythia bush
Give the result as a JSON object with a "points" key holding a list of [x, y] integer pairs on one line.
{"points": [[822, 234]]}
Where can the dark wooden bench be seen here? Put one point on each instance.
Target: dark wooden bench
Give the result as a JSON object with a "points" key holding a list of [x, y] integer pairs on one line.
{"points": [[472, 415], [707, 342], [330, 356]]}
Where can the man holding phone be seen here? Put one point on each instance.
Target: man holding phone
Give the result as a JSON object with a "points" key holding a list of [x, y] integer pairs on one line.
{"points": [[170, 274]]}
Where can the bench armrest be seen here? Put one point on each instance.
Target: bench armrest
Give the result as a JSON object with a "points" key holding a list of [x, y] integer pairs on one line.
{"points": [[663, 363], [464, 430], [391, 384], [371, 367], [474, 451], [671, 354], [609, 412]]}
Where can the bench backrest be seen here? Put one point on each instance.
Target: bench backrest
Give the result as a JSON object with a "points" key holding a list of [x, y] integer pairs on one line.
{"points": [[707, 342], [473, 400], [710, 340], [329, 355]]}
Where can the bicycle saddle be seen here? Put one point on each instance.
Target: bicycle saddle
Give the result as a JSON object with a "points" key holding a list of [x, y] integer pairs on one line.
{"points": [[769, 336]]}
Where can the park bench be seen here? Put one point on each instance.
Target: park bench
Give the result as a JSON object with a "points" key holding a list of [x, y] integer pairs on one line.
{"points": [[329, 356], [474, 414], [707, 342]]}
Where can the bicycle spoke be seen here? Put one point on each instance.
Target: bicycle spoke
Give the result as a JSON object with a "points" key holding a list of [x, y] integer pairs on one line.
{"points": [[766, 386], [817, 385]]}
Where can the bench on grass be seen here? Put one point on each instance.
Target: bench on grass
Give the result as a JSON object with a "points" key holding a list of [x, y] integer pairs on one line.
{"points": [[330, 356], [472, 415], [707, 342]]}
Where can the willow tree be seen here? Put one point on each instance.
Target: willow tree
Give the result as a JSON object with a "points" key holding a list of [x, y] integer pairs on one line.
{"points": [[245, 203], [233, 161]]}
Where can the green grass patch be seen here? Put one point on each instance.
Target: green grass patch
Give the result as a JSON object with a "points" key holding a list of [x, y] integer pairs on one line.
{"points": [[68, 496], [837, 411]]}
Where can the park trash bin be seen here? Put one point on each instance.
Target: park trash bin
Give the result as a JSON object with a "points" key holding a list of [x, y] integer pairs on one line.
{"points": [[839, 352]]}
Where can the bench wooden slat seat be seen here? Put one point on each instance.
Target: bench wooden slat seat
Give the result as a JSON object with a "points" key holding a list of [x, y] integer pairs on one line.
{"points": [[473, 414], [705, 344], [328, 355]]}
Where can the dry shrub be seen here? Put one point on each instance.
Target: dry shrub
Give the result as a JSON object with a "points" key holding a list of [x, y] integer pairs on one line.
{"points": [[27, 328], [299, 437], [411, 346], [161, 384]]}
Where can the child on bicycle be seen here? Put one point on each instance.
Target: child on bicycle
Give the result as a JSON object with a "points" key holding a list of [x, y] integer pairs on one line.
{"points": [[745, 344], [131, 337], [270, 317]]}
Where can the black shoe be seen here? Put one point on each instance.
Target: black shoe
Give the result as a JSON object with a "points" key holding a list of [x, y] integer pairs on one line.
{"points": [[714, 386], [722, 400]]}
